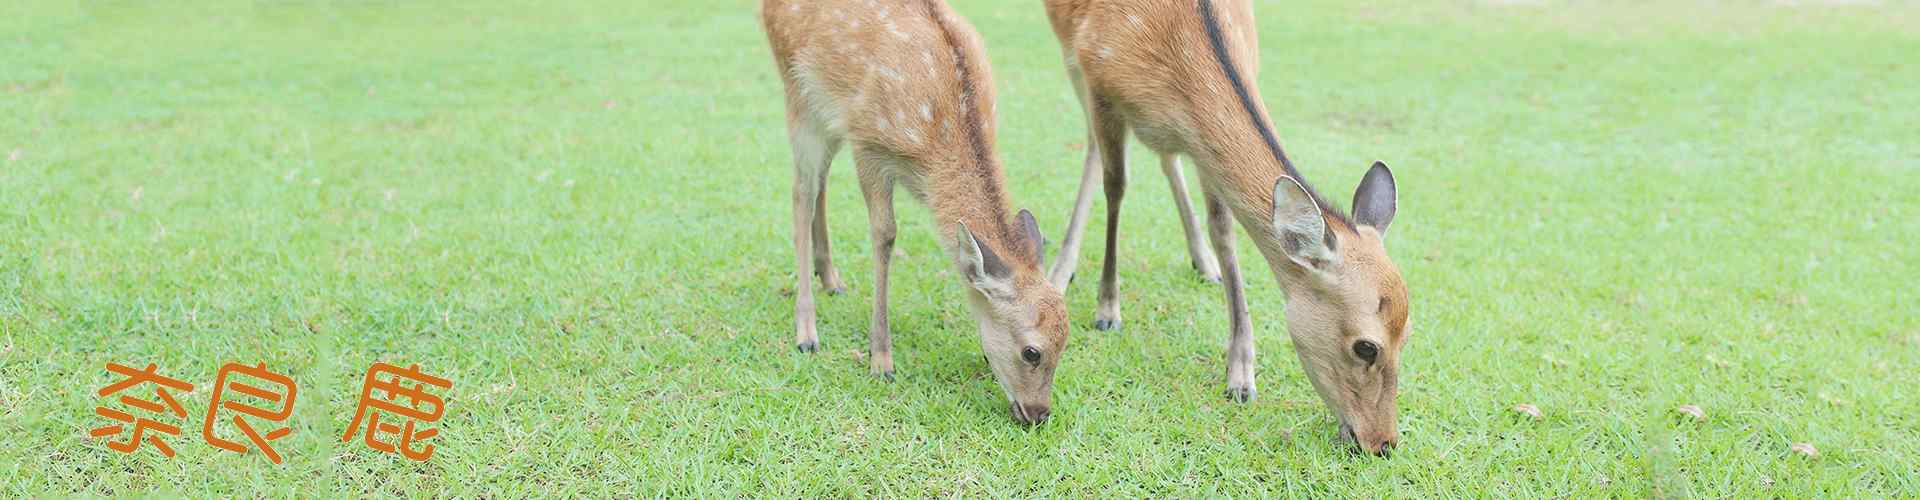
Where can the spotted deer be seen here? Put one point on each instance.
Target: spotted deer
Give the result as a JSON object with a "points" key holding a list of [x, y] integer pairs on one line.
{"points": [[905, 84], [1179, 75]]}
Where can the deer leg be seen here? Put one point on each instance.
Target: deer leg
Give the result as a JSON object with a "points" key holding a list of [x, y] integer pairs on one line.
{"points": [[1111, 134], [1197, 250], [1063, 265], [878, 190], [822, 248], [812, 152], [1240, 341]]}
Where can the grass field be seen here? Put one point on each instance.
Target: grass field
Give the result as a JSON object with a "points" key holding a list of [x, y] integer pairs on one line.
{"points": [[578, 213]]}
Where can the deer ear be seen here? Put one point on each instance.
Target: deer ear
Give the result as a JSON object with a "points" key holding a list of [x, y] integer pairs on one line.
{"points": [[1376, 199], [1030, 230], [982, 268], [1302, 230]]}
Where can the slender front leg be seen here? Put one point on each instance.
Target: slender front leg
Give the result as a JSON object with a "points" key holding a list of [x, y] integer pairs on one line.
{"points": [[1197, 250], [822, 247], [1240, 341], [1111, 132], [812, 151], [878, 189], [1069, 257]]}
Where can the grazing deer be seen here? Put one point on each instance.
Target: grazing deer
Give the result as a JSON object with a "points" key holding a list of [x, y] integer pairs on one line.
{"points": [[906, 84], [1180, 76]]}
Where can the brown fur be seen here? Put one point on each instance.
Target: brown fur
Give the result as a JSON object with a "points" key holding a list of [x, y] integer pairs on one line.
{"points": [[1149, 67], [906, 84]]}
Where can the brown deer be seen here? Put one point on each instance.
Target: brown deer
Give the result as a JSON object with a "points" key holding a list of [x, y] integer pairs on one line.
{"points": [[1179, 74], [906, 84]]}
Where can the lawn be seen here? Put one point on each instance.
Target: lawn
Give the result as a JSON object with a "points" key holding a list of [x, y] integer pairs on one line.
{"points": [[577, 212]]}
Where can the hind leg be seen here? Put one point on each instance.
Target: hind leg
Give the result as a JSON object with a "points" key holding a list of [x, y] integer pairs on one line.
{"points": [[1197, 249], [1069, 257], [822, 249], [812, 151]]}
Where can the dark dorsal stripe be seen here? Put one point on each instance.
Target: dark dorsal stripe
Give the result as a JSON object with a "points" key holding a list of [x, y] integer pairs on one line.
{"points": [[971, 123], [1218, 43]]}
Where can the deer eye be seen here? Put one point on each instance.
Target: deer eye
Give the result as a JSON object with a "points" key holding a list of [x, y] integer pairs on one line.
{"points": [[1031, 355], [1366, 350]]}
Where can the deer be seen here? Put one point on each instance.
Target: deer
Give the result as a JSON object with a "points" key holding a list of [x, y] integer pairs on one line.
{"points": [[1180, 76], [906, 85]]}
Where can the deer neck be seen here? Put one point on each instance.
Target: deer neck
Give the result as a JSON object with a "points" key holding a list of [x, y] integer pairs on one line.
{"points": [[972, 193], [1236, 144]]}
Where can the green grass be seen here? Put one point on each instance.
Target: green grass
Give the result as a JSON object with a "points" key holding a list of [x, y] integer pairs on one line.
{"points": [[577, 212]]}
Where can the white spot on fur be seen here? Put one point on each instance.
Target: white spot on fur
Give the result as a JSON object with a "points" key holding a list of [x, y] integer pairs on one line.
{"points": [[889, 73], [895, 31], [1106, 52], [1134, 20], [926, 113]]}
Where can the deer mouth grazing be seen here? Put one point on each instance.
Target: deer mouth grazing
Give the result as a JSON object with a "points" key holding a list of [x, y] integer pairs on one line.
{"points": [[1384, 449], [1029, 415]]}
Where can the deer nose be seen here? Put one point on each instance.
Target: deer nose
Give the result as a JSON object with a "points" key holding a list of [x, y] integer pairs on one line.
{"points": [[1031, 414], [1384, 448]]}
